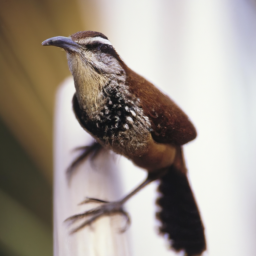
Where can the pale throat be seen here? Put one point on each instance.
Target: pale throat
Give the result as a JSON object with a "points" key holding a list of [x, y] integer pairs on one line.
{"points": [[88, 85]]}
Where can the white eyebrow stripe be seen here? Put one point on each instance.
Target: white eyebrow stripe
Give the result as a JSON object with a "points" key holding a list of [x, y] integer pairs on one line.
{"points": [[93, 39]]}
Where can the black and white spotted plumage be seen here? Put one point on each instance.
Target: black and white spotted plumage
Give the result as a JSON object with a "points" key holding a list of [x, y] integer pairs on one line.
{"points": [[127, 114]]}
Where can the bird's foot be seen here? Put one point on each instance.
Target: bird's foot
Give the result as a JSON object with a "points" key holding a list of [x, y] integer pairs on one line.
{"points": [[106, 209], [91, 151]]}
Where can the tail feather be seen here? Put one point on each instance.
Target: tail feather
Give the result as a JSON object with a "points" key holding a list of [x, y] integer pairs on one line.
{"points": [[179, 215]]}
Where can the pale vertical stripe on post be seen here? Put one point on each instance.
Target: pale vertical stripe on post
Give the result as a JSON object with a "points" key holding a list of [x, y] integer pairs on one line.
{"points": [[98, 179]]}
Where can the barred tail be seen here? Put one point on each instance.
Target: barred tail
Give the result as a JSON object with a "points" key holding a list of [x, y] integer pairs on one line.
{"points": [[179, 215]]}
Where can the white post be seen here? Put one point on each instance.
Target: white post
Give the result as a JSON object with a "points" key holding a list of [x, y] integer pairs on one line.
{"points": [[98, 179]]}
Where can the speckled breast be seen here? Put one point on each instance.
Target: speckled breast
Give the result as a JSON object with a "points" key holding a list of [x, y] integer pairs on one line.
{"points": [[119, 124]]}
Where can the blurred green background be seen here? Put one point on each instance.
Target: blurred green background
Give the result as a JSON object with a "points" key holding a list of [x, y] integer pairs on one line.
{"points": [[29, 76]]}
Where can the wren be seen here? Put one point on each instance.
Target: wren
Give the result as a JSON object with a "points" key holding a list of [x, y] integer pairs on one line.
{"points": [[127, 114]]}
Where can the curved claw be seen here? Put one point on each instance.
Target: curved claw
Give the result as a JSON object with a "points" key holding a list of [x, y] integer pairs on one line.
{"points": [[92, 200], [98, 213], [77, 217], [91, 151], [76, 162], [103, 210], [86, 223], [128, 220]]}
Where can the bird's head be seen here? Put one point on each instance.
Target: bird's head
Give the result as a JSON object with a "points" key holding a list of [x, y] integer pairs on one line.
{"points": [[92, 48], [93, 63]]}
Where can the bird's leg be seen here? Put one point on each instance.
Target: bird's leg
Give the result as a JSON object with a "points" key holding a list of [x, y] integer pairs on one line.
{"points": [[91, 151], [111, 208]]}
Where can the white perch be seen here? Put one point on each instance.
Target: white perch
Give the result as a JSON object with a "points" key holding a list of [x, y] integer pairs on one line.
{"points": [[97, 179]]}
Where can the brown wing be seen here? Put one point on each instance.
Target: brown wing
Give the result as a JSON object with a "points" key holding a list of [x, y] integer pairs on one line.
{"points": [[169, 123]]}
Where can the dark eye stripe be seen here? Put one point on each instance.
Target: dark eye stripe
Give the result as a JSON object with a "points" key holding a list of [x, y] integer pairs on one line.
{"points": [[93, 46], [108, 49], [104, 48]]}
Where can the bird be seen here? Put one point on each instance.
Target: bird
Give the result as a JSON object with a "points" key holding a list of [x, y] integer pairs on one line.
{"points": [[127, 114]]}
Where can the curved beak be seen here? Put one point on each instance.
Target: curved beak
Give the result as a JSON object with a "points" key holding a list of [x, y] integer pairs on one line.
{"points": [[63, 42]]}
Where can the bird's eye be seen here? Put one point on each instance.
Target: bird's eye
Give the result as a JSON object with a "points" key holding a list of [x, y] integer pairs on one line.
{"points": [[104, 47]]}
